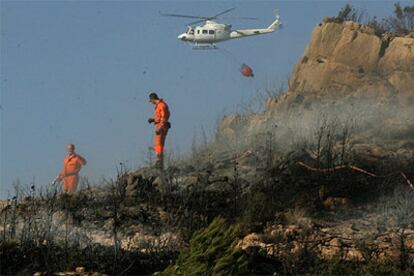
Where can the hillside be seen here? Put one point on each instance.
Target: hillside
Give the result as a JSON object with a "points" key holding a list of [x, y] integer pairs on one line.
{"points": [[349, 76], [319, 182]]}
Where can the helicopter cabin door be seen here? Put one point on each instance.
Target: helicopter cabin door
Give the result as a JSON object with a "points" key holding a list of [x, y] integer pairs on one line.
{"points": [[208, 36], [212, 35]]}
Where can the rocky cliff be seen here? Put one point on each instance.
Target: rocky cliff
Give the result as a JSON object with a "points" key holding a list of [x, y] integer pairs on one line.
{"points": [[346, 71], [349, 60]]}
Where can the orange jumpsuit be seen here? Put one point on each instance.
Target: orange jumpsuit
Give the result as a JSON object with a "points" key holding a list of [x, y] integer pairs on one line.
{"points": [[161, 116], [71, 167]]}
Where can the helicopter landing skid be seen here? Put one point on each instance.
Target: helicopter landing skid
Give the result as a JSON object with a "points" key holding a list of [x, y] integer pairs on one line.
{"points": [[205, 47]]}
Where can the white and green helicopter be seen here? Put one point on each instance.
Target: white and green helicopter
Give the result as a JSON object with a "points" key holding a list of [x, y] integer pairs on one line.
{"points": [[206, 36]]}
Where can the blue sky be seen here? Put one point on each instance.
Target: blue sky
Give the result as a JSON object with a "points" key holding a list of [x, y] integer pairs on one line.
{"points": [[80, 71]]}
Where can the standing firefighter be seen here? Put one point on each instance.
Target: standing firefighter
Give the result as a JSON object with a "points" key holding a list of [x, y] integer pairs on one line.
{"points": [[160, 120], [72, 164]]}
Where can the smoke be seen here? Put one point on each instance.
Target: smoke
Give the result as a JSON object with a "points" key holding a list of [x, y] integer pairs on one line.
{"points": [[293, 122]]}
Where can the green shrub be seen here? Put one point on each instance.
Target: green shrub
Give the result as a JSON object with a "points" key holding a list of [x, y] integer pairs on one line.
{"points": [[211, 252]]}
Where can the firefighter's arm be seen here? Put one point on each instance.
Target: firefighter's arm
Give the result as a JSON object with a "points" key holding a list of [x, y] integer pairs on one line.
{"points": [[82, 160], [61, 175]]}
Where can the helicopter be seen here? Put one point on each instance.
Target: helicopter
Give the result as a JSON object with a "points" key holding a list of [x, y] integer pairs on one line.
{"points": [[206, 36]]}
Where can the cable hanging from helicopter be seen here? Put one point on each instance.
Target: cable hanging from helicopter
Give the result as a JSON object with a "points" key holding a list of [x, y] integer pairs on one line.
{"points": [[244, 69]]}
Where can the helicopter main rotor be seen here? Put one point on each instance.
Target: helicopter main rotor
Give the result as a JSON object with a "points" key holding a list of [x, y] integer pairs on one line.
{"points": [[205, 18]]}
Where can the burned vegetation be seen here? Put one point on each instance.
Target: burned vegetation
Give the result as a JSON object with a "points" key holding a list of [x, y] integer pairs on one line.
{"points": [[319, 182]]}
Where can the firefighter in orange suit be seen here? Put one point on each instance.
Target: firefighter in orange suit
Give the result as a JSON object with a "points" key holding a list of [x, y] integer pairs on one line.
{"points": [[162, 125], [72, 165]]}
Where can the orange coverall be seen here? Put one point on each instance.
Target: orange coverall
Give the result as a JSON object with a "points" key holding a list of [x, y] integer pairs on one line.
{"points": [[161, 116], [71, 167]]}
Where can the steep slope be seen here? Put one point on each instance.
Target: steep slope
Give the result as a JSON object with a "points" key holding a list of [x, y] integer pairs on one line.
{"points": [[349, 75]]}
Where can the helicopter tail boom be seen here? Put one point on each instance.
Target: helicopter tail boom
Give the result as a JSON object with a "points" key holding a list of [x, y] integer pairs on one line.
{"points": [[242, 33], [250, 32]]}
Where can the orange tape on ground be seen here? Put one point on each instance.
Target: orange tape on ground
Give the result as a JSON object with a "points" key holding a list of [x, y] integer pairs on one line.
{"points": [[337, 168]]}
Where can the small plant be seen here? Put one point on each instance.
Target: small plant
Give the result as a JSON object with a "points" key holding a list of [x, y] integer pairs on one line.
{"points": [[298, 216], [212, 252], [400, 23], [116, 198], [398, 209], [349, 13]]}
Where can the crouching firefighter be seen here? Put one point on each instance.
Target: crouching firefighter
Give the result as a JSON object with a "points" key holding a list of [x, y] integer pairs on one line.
{"points": [[162, 125]]}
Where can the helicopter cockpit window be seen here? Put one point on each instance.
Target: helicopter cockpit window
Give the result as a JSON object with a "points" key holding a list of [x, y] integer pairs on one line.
{"points": [[211, 31], [191, 31], [205, 31]]}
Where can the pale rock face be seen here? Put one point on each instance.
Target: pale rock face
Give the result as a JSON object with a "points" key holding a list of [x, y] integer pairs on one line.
{"points": [[335, 58], [343, 63], [228, 126], [230, 122], [332, 242], [365, 49], [397, 66], [348, 58], [399, 56]]}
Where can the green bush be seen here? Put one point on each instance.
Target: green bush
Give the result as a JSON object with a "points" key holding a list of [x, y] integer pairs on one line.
{"points": [[211, 252]]}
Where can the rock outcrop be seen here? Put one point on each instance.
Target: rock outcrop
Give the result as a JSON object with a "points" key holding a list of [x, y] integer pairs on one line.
{"points": [[337, 59], [353, 240], [348, 59], [346, 72]]}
